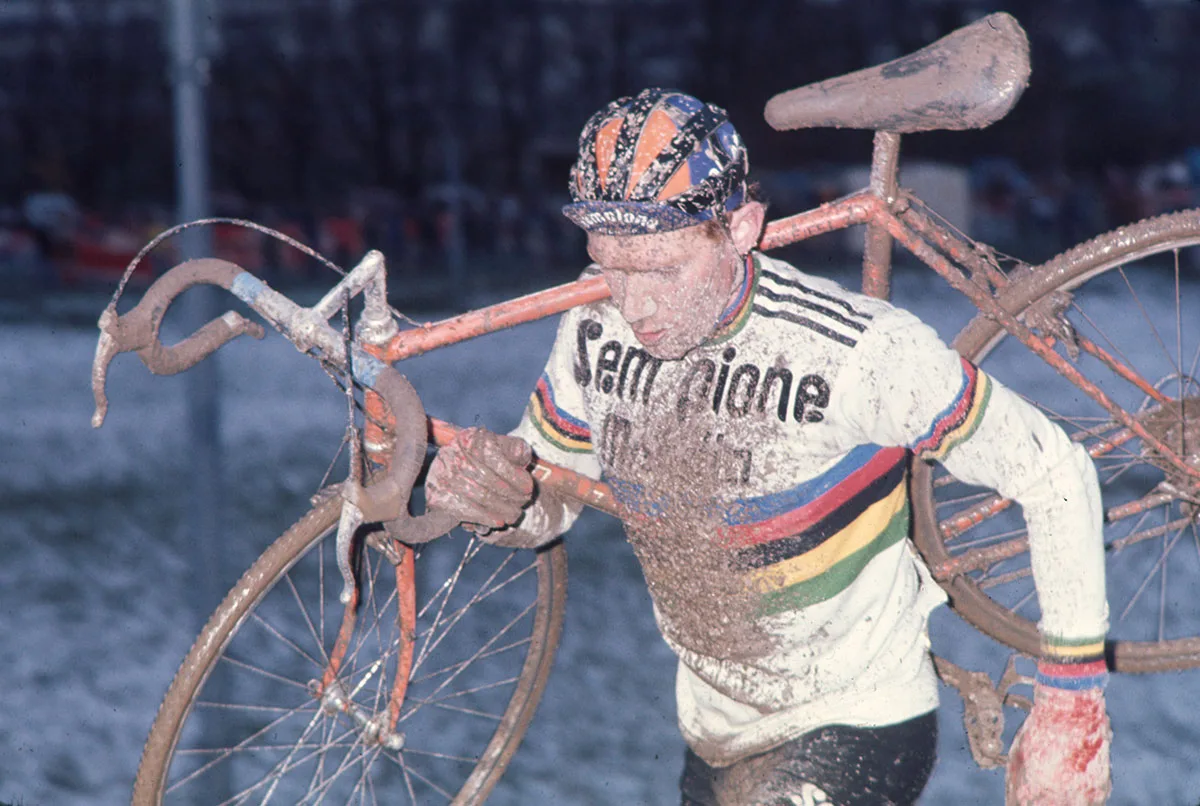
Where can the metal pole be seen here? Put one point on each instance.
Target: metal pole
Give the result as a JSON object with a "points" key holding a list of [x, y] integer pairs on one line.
{"points": [[189, 77]]}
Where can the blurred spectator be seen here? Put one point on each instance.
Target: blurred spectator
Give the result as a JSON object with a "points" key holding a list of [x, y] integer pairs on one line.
{"points": [[413, 231], [291, 263], [20, 266], [101, 249], [53, 217], [50, 239], [998, 185], [240, 245], [536, 241], [1081, 213], [508, 222], [1174, 188], [1039, 216], [340, 238], [1122, 201]]}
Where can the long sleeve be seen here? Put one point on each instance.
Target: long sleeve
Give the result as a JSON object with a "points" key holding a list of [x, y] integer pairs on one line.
{"points": [[917, 392], [556, 426]]}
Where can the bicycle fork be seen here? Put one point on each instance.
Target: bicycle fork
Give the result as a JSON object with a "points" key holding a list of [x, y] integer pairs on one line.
{"points": [[376, 329], [330, 691]]}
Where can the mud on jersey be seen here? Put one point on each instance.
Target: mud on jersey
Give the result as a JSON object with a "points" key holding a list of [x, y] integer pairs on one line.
{"points": [[766, 479]]}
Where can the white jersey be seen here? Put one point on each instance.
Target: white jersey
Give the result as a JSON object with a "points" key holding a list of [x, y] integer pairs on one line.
{"points": [[766, 474]]}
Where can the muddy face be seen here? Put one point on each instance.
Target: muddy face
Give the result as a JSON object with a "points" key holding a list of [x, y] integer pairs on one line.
{"points": [[670, 287]]}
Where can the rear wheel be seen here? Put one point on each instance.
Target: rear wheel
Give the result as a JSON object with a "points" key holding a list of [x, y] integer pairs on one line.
{"points": [[1128, 299], [249, 720]]}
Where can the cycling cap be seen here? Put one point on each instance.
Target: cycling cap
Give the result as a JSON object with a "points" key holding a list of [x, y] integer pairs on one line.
{"points": [[656, 162]]}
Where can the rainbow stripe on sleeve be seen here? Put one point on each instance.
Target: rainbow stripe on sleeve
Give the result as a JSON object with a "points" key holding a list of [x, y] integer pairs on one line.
{"points": [[560, 428], [1065, 650], [958, 421], [1073, 676]]}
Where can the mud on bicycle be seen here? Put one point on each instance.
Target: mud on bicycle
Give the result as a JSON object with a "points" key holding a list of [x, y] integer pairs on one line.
{"points": [[359, 654]]}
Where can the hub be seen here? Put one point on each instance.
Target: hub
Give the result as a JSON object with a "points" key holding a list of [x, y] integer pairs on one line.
{"points": [[374, 729], [1177, 425]]}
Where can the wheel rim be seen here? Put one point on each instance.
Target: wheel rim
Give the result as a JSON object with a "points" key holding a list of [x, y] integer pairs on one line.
{"points": [[1117, 286], [261, 730]]}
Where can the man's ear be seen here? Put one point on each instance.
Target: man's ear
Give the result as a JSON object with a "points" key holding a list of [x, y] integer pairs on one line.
{"points": [[746, 226]]}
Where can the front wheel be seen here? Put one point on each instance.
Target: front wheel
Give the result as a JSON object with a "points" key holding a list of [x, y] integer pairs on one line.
{"points": [[249, 720], [1124, 308]]}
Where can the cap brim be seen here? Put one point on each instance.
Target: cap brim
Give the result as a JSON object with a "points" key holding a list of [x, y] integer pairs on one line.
{"points": [[631, 218]]}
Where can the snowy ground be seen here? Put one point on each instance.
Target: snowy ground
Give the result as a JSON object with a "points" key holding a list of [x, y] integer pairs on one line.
{"points": [[96, 581]]}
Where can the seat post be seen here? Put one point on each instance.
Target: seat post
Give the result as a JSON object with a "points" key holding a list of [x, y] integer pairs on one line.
{"points": [[877, 248]]}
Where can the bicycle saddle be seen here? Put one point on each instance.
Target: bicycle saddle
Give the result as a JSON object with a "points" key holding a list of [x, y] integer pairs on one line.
{"points": [[968, 79]]}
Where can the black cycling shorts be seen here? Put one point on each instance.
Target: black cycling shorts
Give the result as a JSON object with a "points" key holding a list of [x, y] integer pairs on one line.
{"points": [[835, 765]]}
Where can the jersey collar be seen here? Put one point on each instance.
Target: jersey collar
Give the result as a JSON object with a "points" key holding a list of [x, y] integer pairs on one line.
{"points": [[735, 316]]}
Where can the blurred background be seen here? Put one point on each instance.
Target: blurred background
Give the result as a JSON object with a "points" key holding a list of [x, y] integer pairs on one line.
{"points": [[441, 131]]}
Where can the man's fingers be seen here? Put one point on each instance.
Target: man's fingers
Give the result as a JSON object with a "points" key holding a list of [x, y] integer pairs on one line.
{"points": [[492, 514], [482, 478], [507, 462], [476, 495], [516, 450], [498, 480]]}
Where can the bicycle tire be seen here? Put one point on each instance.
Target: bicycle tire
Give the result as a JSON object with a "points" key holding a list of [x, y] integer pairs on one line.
{"points": [[1086, 269], [244, 606]]}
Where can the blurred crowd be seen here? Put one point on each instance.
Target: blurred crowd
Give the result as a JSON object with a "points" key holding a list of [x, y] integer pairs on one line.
{"points": [[452, 236], [51, 242], [1036, 216]]}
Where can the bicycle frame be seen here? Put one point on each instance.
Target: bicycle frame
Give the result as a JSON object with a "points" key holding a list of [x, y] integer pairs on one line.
{"points": [[889, 214], [395, 419], [397, 430]]}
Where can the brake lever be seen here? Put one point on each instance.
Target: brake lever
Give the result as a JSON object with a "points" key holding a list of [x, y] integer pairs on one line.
{"points": [[137, 331]]}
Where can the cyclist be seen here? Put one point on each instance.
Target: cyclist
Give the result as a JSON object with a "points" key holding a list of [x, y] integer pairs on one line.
{"points": [[756, 423]]}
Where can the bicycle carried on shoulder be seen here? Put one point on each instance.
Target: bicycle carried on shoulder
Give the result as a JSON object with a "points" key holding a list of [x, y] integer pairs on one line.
{"points": [[360, 655]]}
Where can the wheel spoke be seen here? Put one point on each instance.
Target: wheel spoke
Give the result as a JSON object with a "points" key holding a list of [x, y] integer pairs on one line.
{"points": [[1158, 566], [1147, 319], [408, 770], [481, 616], [225, 752], [476, 598], [288, 642], [263, 672], [480, 655], [1122, 292], [1121, 366], [443, 597], [318, 638], [1004, 579], [495, 637]]}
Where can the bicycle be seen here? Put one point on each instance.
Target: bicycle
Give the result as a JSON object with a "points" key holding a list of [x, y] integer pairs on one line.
{"points": [[346, 693]]}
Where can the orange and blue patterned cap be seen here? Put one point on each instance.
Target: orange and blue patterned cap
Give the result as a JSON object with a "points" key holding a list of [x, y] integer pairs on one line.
{"points": [[655, 162]]}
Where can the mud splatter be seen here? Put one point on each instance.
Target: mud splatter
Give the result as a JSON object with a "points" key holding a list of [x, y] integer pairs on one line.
{"points": [[703, 600]]}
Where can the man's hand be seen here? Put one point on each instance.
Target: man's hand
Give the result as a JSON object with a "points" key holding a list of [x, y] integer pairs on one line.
{"points": [[482, 478], [1060, 755]]}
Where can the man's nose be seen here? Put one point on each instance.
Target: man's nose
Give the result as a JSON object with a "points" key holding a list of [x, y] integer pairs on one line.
{"points": [[637, 303]]}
